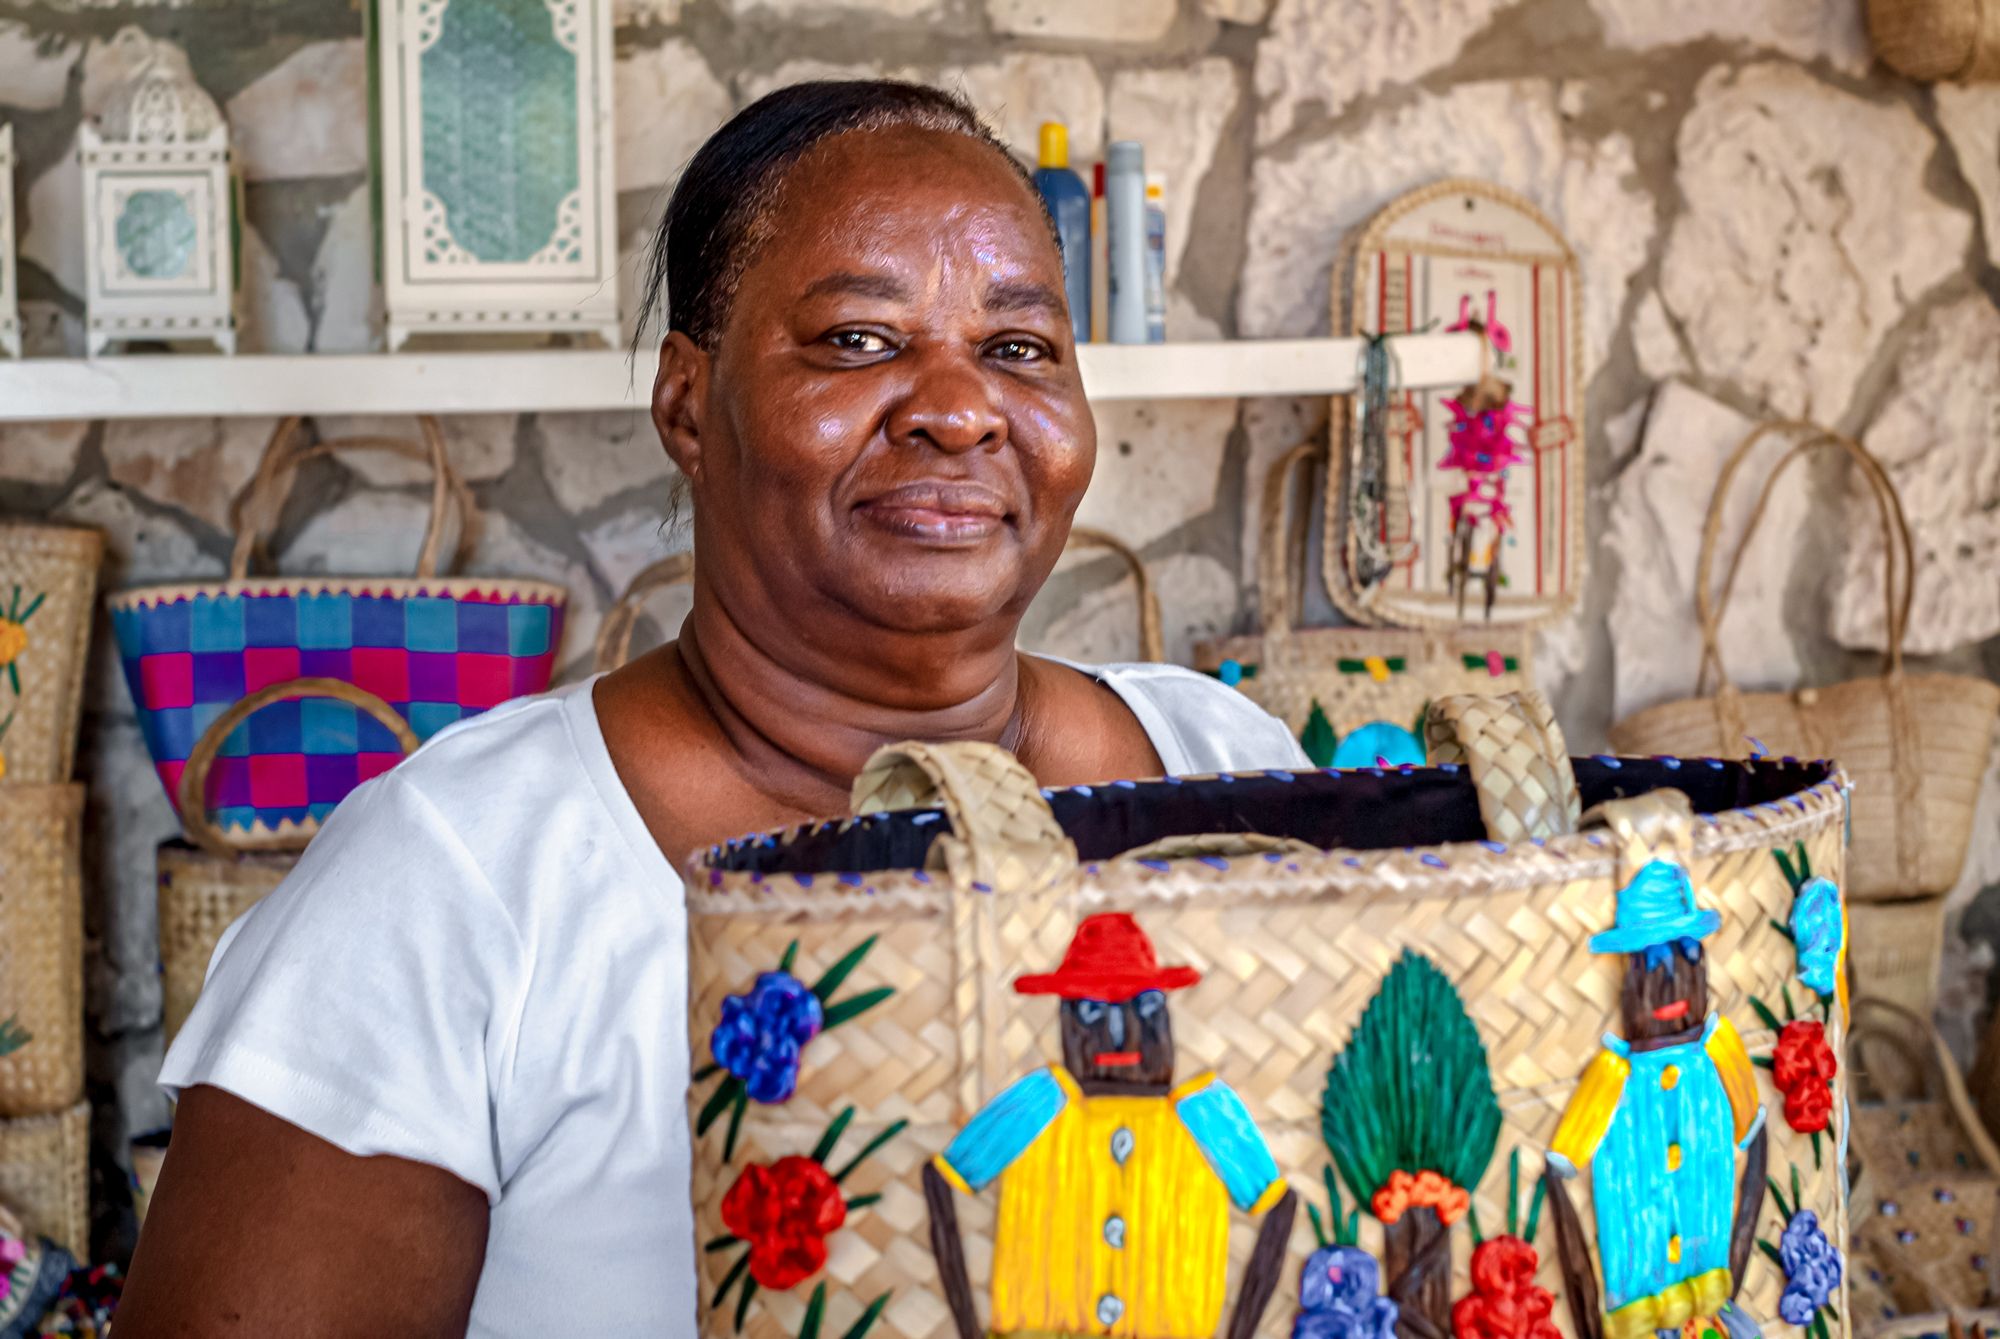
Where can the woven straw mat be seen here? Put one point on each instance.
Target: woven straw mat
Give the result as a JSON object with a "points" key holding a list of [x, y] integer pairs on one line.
{"points": [[41, 946]]}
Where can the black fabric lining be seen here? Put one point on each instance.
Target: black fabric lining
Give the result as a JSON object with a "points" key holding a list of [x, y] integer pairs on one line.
{"points": [[1361, 810]]}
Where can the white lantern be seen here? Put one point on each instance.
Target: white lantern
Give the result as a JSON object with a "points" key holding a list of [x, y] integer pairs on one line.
{"points": [[159, 210], [10, 300], [499, 208]]}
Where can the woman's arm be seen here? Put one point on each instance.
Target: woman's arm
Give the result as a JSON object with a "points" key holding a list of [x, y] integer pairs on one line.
{"points": [[258, 1228]]}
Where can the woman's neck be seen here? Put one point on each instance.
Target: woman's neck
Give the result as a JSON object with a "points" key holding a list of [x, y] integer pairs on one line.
{"points": [[803, 718]]}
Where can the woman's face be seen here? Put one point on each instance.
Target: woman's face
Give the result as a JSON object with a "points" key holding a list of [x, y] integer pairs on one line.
{"points": [[893, 420]]}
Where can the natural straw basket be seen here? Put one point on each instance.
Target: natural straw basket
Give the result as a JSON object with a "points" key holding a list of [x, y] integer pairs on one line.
{"points": [[1152, 640], [614, 631], [41, 946], [1937, 39], [201, 895], [45, 1175], [1355, 676], [1916, 745], [48, 582], [989, 877], [1893, 950]]}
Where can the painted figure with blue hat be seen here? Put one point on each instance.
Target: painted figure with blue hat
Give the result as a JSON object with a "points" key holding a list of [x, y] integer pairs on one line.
{"points": [[1659, 1118]]}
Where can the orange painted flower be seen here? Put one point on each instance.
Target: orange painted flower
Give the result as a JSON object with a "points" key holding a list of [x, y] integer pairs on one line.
{"points": [[1425, 1190], [13, 641]]}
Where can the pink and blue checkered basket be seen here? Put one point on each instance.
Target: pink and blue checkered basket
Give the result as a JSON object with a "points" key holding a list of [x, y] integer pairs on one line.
{"points": [[432, 649]]}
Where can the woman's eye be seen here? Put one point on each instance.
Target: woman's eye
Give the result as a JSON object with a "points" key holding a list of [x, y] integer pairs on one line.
{"points": [[858, 341], [1018, 351]]}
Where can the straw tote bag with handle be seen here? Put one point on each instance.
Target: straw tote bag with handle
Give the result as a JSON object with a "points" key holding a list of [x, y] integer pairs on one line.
{"points": [[1916, 745], [1351, 695], [41, 948], [877, 990], [297, 689], [48, 581]]}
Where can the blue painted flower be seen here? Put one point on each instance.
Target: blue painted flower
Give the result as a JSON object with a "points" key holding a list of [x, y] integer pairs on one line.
{"points": [[1338, 1297], [761, 1034], [1817, 931], [1812, 1268], [1379, 742]]}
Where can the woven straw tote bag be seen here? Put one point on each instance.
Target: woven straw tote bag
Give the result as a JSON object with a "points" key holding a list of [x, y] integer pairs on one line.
{"points": [[1916, 745], [1894, 951], [1937, 39], [928, 928], [48, 584], [45, 1176], [1364, 688], [1926, 1218], [357, 668], [41, 947], [201, 895]]}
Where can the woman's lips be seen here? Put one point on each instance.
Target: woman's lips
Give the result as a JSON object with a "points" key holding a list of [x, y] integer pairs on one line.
{"points": [[940, 512]]}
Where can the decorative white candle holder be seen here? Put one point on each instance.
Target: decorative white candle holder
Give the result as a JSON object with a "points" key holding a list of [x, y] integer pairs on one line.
{"points": [[159, 211], [10, 297], [499, 208]]}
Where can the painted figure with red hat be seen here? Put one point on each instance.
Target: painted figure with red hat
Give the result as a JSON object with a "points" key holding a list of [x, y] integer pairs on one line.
{"points": [[1115, 1183]]}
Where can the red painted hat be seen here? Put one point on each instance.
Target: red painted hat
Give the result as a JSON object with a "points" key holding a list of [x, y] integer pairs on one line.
{"points": [[1110, 959]]}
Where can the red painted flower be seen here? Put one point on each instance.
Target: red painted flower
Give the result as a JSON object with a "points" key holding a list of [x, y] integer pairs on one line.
{"points": [[785, 1211], [1803, 1067], [1504, 1302]]}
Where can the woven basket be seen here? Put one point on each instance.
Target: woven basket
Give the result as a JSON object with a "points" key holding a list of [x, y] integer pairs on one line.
{"points": [[614, 630], [1894, 950], [1916, 745], [48, 582], [988, 877], [45, 1176], [201, 895], [41, 946], [436, 649], [1357, 678], [1926, 1216], [1937, 39]]}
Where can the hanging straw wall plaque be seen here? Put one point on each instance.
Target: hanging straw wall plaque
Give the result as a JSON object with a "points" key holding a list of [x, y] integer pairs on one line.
{"points": [[494, 163], [10, 297], [1055, 1052], [1459, 506], [159, 208]]}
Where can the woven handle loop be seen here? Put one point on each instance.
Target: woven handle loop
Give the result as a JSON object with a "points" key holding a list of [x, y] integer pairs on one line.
{"points": [[1281, 546], [1004, 838], [1658, 825], [1518, 759], [1152, 641], [1897, 550], [614, 634], [201, 830], [255, 510]]}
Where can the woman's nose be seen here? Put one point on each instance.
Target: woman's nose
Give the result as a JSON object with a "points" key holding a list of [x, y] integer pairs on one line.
{"points": [[951, 404]]}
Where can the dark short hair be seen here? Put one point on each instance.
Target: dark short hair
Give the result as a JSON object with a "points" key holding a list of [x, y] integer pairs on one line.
{"points": [[715, 219]]}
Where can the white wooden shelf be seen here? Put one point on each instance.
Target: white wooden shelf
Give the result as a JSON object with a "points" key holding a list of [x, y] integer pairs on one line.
{"points": [[552, 381]]}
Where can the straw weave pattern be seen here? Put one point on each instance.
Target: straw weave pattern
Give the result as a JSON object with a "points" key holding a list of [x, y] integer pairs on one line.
{"points": [[201, 895], [41, 946], [1517, 757], [45, 1176], [60, 565], [1291, 948]]}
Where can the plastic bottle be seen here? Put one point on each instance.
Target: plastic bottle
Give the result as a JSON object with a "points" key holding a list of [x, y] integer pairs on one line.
{"points": [[1069, 205], [1125, 219], [1156, 258], [1100, 259]]}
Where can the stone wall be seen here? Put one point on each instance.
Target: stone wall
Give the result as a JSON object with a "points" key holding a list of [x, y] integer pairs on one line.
{"points": [[1768, 224]]}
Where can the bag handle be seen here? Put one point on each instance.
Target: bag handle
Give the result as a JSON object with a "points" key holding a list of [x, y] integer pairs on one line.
{"points": [[614, 634], [1658, 825], [1285, 532], [1905, 1032], [1152, 642], [1004, 837], [255, 510], [1897, 549], [201, 830], [1518, 759]]}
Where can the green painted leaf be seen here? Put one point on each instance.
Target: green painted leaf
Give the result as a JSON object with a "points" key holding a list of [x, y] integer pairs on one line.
{"points": [[1764, 1012], [869, 1148], [791, 956], [1535, 1210], [824, 1149], [854, 1006], [743, 1302], [837, 974], [860, 1202], [1318, 739], [815, 1313], [721, 1243], [718, 1102], [1319, 1227], [730, 1280], [860, 1328], [735, 1125], [707, 1072]]}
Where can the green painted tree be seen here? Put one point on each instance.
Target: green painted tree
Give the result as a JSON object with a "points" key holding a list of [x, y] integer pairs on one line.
{"points": [[1412, 1093]]}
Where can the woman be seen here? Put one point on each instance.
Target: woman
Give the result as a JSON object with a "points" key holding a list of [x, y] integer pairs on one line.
{"points": [[436, 1084]]}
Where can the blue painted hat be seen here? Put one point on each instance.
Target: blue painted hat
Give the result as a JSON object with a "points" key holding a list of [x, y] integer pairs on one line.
{"points": [[1657, 907]]}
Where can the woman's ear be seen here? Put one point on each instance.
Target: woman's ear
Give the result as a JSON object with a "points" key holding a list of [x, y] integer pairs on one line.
{"points": [[679, 392]]}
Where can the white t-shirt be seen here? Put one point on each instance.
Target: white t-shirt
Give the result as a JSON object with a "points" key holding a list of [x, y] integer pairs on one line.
{"points": [[481, 964]]}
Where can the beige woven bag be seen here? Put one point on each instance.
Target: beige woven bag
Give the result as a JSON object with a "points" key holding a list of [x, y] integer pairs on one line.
{"points": [[201, 895], [41, 946], [1937, 39], [45, 1176], [917, 919], [1353, 677], [48, 580], [1916, 745]]}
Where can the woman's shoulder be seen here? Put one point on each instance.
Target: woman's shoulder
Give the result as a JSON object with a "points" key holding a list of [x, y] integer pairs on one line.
{"points": [[1199, 724]]}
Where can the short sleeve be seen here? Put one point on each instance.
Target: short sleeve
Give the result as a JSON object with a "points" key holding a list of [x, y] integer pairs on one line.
{"points": [[1003, 1130], [1230, 1140], [1739, 1080], [373, 996], [1588, 1116]]}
